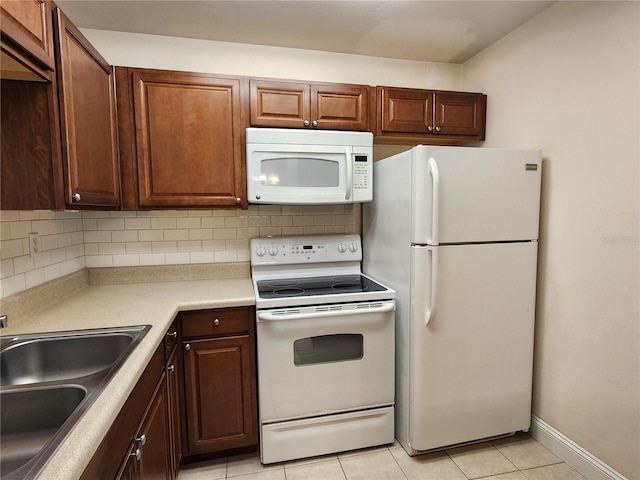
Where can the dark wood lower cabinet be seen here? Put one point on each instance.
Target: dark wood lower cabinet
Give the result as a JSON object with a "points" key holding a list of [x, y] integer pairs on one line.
{"points": [[129, 468], [204, 386], [153, 437], [220, 399], [173, 398], [219, 391]]}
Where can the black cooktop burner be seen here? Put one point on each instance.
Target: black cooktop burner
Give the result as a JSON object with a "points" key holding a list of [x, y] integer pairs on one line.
{"points": [[312, 286]]}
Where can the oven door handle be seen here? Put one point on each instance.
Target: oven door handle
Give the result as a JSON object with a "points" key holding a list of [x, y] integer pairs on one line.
{"points": [[268, 316]]}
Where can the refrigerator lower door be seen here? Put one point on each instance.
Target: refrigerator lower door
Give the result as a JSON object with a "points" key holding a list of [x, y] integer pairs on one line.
{"points": [[472, 322]]}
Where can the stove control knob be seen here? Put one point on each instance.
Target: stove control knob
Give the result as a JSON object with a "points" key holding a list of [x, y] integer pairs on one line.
{"points": [[273, 250], [261, 251], [342, 247], [353, 246]]}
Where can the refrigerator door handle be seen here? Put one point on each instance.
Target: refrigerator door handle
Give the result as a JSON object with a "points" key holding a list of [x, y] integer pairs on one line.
{"points": [[347, 195], [434, 286], [435, 174]]}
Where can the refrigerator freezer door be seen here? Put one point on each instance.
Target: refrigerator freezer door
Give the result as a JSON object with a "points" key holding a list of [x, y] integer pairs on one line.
{"points": [[471, 366], [467, 195]]}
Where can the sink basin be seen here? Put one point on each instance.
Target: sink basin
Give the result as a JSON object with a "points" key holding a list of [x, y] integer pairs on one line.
{"points": [[49, 359], [30, 418], [47, 383]]}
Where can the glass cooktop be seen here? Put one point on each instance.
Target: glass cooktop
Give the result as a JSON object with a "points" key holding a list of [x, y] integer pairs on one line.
{"points": [[313, 286]]}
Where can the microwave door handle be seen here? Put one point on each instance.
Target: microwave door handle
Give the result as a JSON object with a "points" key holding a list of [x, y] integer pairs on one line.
{"points": [[347, 195]]}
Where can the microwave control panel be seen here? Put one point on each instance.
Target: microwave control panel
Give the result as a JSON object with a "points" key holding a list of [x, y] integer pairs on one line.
{"points": [[361, 172]]}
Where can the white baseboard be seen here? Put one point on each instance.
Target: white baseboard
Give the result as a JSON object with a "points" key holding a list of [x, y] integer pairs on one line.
{"points": [[586, 464]]}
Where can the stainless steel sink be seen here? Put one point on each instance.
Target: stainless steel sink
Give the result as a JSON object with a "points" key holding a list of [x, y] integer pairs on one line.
{"points": [[49, 359], [30, 418], [47, 382]]}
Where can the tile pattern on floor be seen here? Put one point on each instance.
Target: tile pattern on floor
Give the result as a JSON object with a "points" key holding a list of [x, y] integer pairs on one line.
{"points": [[519, 457]]}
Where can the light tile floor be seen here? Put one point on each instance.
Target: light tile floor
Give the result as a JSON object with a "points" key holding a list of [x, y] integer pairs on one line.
{"points": [[515, 458]]}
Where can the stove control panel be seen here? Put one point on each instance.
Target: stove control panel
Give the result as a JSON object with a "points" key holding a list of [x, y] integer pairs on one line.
{"points": [[305, 249]]}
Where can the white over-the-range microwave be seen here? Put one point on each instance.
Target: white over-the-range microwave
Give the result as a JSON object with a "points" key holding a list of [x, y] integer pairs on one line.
{"points": [[308, 167]]}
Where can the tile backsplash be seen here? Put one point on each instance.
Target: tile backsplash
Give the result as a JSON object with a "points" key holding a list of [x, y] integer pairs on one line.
{"points": [[71, 241]]}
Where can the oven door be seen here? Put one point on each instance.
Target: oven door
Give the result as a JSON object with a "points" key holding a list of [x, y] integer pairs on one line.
{"points": [[325, 359]]}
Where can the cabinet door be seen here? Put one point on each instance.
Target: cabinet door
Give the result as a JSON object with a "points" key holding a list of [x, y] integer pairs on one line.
{"points": [[173, 408], [220, 394], [404, 110], [189, 138], [459, 113], [26, 33], [340, 107], [88, 119], [279, 104], [154, 462], [129, 469]]}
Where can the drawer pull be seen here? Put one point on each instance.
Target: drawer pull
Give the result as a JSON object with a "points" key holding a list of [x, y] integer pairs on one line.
{"points": [[142, 439], [137, 453], [216, 322], [187, 346]]}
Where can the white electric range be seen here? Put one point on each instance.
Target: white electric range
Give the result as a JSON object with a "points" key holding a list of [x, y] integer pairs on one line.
{"points": [[325, 340]]}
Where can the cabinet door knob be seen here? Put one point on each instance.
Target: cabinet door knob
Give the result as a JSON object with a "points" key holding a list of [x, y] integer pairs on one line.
{"points": [[430, 128], [216, 322], [172, 334], [238, 201], [437, 129], [142, 439], [306, 123], [76, 197], [315, 123], [137, 453], [187, 346], [171, 368]]}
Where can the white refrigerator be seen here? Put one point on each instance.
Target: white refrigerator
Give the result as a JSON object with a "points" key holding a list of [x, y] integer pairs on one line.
{"points": [[453, 230]]}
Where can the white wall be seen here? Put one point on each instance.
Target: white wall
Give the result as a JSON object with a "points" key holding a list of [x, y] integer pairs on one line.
{"points": [[172, 53], [568, 83]]}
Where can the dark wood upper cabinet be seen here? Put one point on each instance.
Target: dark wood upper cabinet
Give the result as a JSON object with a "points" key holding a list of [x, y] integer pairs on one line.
{"points": [[287, 104], [439, 117], [88, 119], [460, 113], [26, 39], [59, 136], [31, 165], [404, 110], [182, 139]]}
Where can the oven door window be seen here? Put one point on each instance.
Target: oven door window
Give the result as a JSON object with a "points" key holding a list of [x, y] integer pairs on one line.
{"points": [[328, 349]]}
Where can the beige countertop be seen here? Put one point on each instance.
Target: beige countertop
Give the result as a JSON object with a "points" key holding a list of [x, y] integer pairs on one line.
{"points": [[98, 306]]}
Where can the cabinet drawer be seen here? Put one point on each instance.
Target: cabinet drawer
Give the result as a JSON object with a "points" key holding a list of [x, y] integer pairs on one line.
{"points": [[216, 322]]}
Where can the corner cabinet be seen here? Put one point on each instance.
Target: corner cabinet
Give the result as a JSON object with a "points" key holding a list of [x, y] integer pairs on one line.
{"points": [[439, 117], [26, 44], [181, 139], [59, 134], [288, 104], [219, 380], [88, 119]]}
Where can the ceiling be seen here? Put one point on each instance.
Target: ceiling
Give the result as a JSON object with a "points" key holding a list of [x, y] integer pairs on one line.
{"points": [[423, 30]]}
